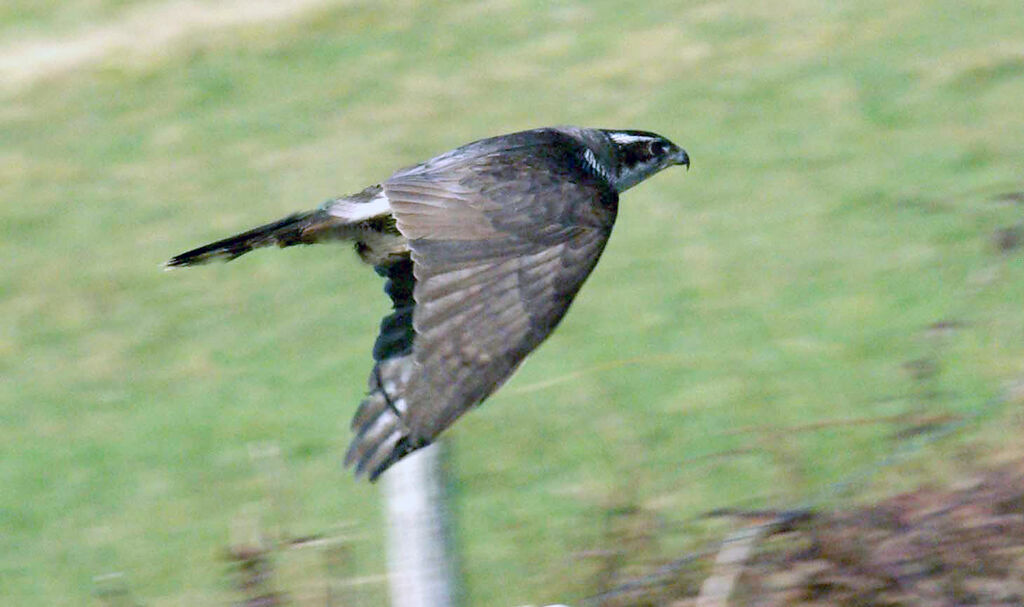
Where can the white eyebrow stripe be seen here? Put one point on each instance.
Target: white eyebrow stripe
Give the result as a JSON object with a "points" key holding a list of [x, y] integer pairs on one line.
{"points": [[626, 138]]}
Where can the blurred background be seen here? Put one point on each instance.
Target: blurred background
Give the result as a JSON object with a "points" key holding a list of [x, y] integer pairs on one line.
{"points": [[839, 273]]}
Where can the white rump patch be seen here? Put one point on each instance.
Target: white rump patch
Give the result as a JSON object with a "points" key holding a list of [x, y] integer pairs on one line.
{"points": [[360, 210], [626, 138]]}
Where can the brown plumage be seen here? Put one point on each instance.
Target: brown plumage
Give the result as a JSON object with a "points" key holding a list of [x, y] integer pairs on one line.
{"points": [[483, 250]]}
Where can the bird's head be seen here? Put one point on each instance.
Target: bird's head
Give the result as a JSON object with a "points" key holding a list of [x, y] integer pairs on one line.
{"points": [[640, 154]]}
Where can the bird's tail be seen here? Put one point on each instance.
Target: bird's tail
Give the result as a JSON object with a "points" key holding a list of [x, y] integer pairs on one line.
{"points": [[300, 228]]}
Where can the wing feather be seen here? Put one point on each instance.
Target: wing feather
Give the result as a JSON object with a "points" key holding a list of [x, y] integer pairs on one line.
{"points": [[500, 245], [427, 209]]}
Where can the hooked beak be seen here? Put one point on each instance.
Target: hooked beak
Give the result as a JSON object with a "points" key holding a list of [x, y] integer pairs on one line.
{"points": [[681, 157]]}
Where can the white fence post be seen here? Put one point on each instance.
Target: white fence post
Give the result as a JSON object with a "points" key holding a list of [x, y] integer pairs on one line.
{"points": [[421, 569]]}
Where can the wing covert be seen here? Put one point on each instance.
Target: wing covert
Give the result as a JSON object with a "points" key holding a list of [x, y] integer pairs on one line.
{"points": [[500, 239], [493, 284]]}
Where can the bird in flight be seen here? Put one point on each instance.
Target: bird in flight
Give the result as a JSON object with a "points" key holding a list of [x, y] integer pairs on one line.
{"points": [[482, 250]]}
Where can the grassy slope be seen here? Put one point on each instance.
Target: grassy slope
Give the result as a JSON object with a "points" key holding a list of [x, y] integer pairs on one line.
{"points": [[840, 201]]}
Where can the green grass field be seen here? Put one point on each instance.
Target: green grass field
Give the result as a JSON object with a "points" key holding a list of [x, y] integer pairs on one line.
{"points": [[850, 166]]}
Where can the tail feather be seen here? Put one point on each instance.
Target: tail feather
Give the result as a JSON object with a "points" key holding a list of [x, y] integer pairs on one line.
{"points": [[300, 228]]}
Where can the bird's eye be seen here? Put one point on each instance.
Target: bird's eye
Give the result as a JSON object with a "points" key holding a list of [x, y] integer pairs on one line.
{"points": [[658, 148]]}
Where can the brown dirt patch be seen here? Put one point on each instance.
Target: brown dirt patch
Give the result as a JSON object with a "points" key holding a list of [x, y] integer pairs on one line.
{"points": [[930, 547]]}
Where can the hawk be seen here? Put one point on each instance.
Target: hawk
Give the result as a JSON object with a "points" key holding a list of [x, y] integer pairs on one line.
{"points": [[482, 250]]}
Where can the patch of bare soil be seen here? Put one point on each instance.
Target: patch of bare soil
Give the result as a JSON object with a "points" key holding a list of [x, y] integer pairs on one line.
{"points": [[928, 548]]}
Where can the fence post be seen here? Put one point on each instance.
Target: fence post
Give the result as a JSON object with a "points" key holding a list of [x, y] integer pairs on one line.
{"points": [[421, 568]]}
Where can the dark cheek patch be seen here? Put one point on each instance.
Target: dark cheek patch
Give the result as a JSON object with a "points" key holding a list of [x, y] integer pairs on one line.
{"points": [[632, 155]]}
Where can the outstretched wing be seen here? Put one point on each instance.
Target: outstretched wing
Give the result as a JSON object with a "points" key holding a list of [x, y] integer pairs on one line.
{"points": [[501, 243]]}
